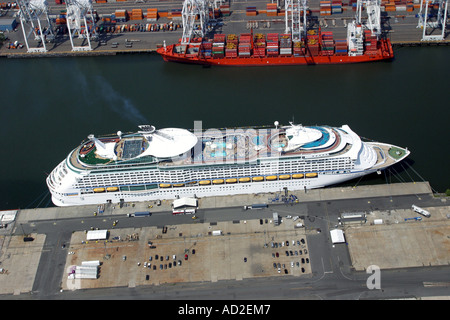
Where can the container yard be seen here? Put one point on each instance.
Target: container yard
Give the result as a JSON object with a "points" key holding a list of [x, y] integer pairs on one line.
{"points": [[128, 26]]}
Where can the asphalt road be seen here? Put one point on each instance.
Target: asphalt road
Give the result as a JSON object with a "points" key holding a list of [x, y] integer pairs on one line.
{"points": [[332, 277]]}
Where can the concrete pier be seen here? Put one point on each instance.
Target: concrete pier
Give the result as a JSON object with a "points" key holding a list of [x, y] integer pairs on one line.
{"points": [[248, 246], [323, 194]]}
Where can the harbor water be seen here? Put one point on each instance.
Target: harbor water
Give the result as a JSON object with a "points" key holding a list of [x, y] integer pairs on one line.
{"points": [[51, 104]]}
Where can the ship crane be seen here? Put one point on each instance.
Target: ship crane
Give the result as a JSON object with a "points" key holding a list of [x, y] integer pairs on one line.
{"points": [[35, 24], [81, 23], [440, 18], [294, 10], [193, 9], [373, 22]]}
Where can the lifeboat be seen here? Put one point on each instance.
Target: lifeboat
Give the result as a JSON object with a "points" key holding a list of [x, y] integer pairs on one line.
{"points": [[205, 182], [285, 176], [178, 185], [298, 176], [244, 179], [271, 178], [218, 181], [112, 189], [311, 175], [232, 180], [165, 185], [98, 190], [257, 179]]}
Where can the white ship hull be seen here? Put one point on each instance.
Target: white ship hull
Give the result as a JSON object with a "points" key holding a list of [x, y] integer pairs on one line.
{"points": [[321, 181]]}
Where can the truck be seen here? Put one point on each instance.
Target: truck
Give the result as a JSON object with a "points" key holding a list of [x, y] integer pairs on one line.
{"points": [[276, 219], [139, 214], [184, 211], [421, 211], [256, 206]]}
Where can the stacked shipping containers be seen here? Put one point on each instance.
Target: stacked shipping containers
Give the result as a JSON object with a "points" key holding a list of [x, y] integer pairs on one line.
{"points": [[272, 44], [341, 47], [245, 40], [259, 45], [370, 43], [224, 10], [327, 43], [206, 49], [299, 48], [121, 15], [136, 14], [272, 10], [312, 40], [231, 46], [336, 6], [251, 11], [285, 44], [218, 46], [152, 14], [175, 14], [325, 8]]}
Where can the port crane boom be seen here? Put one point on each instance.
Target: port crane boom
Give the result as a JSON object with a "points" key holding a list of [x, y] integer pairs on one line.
{"points": [[294, 11], [191, 27], [80, 23], [433, 18], [373, 22], [34, 19]]}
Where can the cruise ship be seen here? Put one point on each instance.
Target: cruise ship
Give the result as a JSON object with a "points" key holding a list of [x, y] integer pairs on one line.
{"points": [[168, 163]]}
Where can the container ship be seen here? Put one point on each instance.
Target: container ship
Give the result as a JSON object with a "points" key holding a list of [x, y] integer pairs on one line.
{"points": [[248, 49], [167, 163]]}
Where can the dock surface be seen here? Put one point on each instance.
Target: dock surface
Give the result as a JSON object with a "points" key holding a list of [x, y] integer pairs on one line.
{"points": [[248, 246]]}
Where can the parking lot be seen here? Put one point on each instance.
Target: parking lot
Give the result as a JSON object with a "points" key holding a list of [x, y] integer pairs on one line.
{"points": [[191, 252], [401, 241]]}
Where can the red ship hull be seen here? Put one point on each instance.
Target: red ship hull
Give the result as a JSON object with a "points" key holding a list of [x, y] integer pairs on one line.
{"points": [[384, 52]]}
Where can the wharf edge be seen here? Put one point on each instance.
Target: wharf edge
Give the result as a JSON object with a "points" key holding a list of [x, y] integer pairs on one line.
{"points": [[99, 53], [213, 202]]}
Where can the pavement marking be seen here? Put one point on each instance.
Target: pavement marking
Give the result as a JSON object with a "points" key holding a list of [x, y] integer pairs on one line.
{"points": [[436, 284]]}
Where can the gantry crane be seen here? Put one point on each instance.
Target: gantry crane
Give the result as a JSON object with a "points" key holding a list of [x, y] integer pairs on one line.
{"points": [[373, 22], [35, 23], [293, 12], [193, 10], [81, 23], [434, 19]]}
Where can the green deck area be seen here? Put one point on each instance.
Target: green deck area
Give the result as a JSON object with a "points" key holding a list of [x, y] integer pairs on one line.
{"points": [[397, 153], [91, 158]]}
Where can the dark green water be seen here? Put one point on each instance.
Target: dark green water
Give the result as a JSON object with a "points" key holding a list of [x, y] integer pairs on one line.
{"points": [[50, 105]]}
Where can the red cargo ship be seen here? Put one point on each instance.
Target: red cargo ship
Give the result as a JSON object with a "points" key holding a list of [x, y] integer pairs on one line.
{"points": [[278, 49]]}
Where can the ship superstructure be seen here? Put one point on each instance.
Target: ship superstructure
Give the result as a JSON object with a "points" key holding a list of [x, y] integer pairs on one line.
{"points": [[167, 163]]}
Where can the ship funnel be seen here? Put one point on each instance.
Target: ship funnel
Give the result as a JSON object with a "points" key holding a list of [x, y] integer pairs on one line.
{"points": [[102, 149]]}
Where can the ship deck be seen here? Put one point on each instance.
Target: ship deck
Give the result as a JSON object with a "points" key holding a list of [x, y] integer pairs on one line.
{"points": [[236, 146]]}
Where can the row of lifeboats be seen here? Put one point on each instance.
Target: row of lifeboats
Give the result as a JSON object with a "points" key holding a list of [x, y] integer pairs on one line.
{"points": [[244, 180], [108, 189], [225, 181]]}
